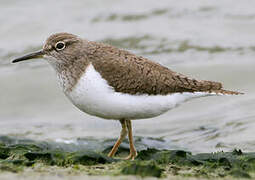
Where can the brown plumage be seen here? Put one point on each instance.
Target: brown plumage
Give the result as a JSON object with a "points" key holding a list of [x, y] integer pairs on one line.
{"points": [[124, 71], [128, 73]]}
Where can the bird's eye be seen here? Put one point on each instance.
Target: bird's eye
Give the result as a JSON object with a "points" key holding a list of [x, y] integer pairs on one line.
{"points": [[60, 45]]}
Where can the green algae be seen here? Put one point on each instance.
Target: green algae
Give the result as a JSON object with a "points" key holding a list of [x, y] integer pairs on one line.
{"points": [[218, 164], [89, 158], [133, 42], [142, 169], [16, 158], [148, 45], [129, 17]]}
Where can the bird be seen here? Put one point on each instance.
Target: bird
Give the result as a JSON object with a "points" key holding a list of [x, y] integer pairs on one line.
{"points": [[111, 83]]}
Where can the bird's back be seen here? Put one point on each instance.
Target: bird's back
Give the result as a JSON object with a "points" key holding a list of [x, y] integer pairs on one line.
{"points": [[131, 74]]}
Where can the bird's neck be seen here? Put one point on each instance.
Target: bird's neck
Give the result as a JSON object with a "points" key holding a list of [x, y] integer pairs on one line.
{"points": [[69, 74]]}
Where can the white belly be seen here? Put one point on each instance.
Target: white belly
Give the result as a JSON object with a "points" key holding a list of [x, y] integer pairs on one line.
{"points": [[94, 96]]}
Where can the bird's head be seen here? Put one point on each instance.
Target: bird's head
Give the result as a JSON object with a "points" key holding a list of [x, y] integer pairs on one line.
{"points": [[58, 49]]}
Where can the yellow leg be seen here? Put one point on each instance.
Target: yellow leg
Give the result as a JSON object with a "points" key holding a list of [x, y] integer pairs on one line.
{"points": [[133, 152], [123, 134]]}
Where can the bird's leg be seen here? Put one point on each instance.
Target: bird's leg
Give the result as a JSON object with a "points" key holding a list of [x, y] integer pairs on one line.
{"points": [[123, 134], [133, 152]]}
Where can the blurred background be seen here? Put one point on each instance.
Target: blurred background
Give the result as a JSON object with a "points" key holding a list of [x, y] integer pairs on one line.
{"points": [[212, 40]]}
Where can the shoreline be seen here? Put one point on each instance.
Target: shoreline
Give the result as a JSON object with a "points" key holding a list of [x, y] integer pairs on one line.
{"points": [[35, 159]]}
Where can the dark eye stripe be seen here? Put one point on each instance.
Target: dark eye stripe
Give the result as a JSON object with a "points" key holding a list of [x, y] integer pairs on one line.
{"points": [[66, 43]]}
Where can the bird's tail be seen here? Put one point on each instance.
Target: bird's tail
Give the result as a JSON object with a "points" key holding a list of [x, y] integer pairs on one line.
{"points": [[217, 88], [226, 92]]}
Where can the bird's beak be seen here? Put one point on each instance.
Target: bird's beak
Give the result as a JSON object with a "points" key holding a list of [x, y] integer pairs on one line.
{"points": [[34, 55]]}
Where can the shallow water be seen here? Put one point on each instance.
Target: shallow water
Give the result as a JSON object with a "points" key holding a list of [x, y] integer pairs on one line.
{"points": [[211, 40]]}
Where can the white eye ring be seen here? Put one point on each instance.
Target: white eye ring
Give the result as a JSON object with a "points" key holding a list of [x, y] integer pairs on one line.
{"points": [[60, 45]]}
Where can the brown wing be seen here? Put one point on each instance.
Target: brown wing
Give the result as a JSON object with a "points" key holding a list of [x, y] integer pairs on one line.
{"points": [[128, 73]]}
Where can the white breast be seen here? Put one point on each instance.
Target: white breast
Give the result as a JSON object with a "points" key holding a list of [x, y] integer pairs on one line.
{"points": [[93, 95]]}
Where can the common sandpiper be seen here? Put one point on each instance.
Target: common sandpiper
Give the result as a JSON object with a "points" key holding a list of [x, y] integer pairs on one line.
{"points": [[112, 83]]}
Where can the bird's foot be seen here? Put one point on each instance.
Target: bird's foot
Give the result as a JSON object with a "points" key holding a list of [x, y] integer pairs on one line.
{"points": [[132, 155]]}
